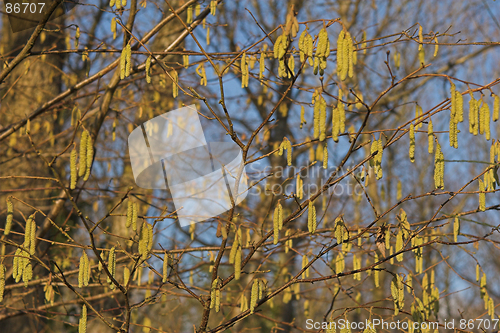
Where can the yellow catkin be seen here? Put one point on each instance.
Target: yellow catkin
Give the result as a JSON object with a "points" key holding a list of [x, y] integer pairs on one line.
{"points": [[276, 225], [148, 69], [32, 234], [311, 218], [305, 262], [456, 228], [2, 281], [412, 143], [10, 215], [482, 196], [430, 137], [111, 266], [486, 120], [27, 274], [459, 101], [262, 66], [322, 119], [175, 83], [83, 153], [82, 327], [185, 60], [418, 114], [126, 275], [165, 268], [325, 156], [254, 295], [473, 115], [134, 216], [340, 54], [189, 18], [496, 107], [128, 54], [335, 124], [73, 173], [482, 118], [436, 47], [129, 214], [237, 264], [113, 27], [341, 112], [208, 36], [89, 157], [123, 63], [438, 168]]}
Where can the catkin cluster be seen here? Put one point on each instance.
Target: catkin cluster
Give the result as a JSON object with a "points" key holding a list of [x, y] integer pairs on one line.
{"points": [[322, 52], [146, 240], [341, 233], [456, 116], [258, 290], [319, 116], [311, 218], [376, 162], [235, 254], [215, 295], [345, 55], [286, 144], [82, 324], [125, 61], [398, 293], [213, 7], [83, 271], [473, 114], [338, 118], [200, 70], [288, 242], [399, 244], [280, 48], [339, 262], [438, 167], [244, 71], [306, 47], [277, 222]]}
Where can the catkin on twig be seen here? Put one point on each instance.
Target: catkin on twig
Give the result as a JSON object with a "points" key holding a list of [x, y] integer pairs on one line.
{"points": [[73, 173], [10, 215]]}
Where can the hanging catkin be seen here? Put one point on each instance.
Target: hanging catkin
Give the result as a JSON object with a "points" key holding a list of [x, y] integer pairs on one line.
{"points": [[10, 215], [345, 50], [83, 153], [341, 112], [148, 69], [482, 196], [2, 281], [111, 266], [82, 327], [412, 143], [89, 157], [430, 137], [254, 295], [73, 173], [335, 124], [305, 262], [496, 107], [175, 83], [438, 167], [165, 267], [311, 218], [322, 52], [456, 228], [237, 264], [134, 216], [129, 213], [473, 115]]}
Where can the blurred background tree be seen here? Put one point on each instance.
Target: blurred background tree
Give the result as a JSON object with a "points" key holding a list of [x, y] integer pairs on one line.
{"points": [[387, 241]]}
